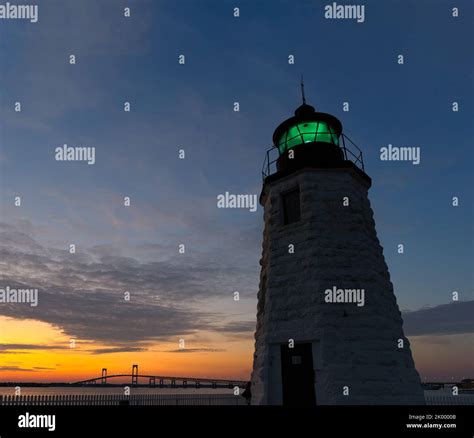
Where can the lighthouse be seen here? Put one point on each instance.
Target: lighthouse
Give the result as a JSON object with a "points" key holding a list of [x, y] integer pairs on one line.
{"points": [[329, 330]]}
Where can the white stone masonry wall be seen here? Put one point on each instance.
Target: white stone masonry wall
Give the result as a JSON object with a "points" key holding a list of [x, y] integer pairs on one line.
{"points": [[335, 245]]}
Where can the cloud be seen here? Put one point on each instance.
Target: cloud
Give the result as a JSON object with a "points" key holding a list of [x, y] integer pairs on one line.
{"points": [[12, 347], [14, 352], [117, 350], [15, 368], [83, 293], [238, 327], [195, 350], [445, 319]]}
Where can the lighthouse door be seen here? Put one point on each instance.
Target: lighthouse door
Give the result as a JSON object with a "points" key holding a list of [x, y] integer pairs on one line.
{"points": [[297, 375]]}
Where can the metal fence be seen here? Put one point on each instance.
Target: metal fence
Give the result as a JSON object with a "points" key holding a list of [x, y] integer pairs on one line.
{"points": [[117, 399], [445, 400], [175, 400]]}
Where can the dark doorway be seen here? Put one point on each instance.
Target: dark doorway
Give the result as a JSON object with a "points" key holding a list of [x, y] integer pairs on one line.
{"points": [[297, 375]]}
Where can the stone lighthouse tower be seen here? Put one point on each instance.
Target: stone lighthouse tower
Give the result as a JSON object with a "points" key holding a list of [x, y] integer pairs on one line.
{"points": [[329, 330]]}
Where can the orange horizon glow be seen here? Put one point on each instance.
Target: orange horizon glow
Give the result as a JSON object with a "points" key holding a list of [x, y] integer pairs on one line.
{"points": [[58, 362], [445, 358]]}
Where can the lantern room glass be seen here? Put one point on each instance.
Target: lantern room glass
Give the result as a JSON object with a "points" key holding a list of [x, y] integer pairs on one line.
{"points": [[306, 132]]}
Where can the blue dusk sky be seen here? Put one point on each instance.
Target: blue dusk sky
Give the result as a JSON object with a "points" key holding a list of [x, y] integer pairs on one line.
{"points": [[191, 107]]}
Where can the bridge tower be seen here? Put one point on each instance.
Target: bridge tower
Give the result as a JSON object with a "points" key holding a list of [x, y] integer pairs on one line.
{"points": [[329, 330], [134, 375], [103, 380]]}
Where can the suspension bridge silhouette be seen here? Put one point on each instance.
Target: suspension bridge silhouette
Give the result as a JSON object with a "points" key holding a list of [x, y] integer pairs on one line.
{"points": [[163, 381]]}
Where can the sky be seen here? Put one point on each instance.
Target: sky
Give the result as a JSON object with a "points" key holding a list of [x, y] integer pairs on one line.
{"points": [[82, 322]]}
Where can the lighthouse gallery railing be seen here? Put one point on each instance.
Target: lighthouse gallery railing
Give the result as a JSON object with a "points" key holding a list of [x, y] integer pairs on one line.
{"points": [[351, 152]]}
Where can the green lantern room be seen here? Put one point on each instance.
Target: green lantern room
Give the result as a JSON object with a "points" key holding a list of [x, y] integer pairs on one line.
{"points": [[308, 138], [308, 132]]}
